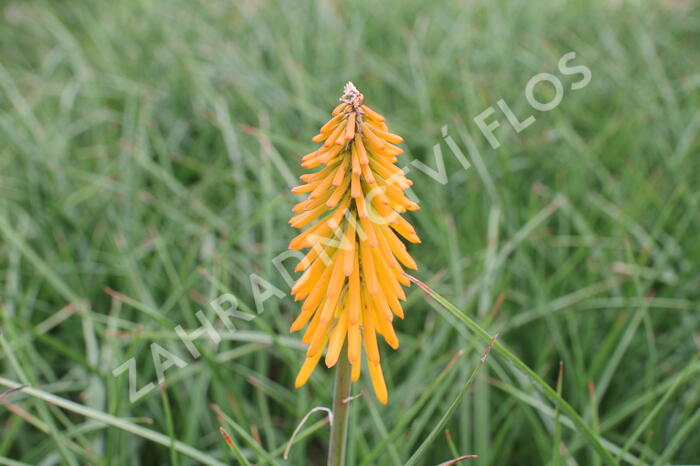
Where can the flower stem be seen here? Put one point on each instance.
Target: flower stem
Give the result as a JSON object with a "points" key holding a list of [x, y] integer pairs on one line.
{"points": [[341, 412]]}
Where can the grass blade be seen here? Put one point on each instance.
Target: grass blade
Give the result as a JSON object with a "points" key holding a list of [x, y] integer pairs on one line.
{"points": [[500, 349], [451, 409], [114, 421]]}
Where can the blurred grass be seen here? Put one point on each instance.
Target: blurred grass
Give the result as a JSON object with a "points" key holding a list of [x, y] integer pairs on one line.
{"points": [[147, 148]]}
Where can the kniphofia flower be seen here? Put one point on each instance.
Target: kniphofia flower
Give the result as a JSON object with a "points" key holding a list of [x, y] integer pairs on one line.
{"points": [[353, 276]]}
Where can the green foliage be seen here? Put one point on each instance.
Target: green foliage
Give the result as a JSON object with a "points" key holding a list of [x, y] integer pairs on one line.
{"points": [[147, 149]]}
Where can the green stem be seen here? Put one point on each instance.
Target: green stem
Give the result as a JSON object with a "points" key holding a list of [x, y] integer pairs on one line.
{"points": [[341, 412]]}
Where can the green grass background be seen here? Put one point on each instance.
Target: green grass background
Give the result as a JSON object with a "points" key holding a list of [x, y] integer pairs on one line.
{"points": [[148, 147]]}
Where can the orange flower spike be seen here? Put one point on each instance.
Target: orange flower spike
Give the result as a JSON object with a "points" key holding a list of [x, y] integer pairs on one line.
{"points": [[370, 135], [355, 187], [357, 365], [370, 337], [333, 136], [354, 156], [368, 270], [349, 249], [337, 110], [350, 129], [367, 174], [341, 172], [372, 114], [307, 369], [338, 193], [332, 123], [352, 280], [336, 340], [368, 229], [361, 151], [354, 293], [354, 345], [361, 207], [375, 372]]}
